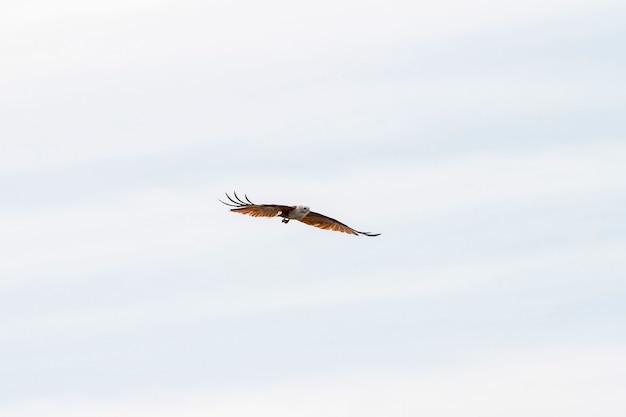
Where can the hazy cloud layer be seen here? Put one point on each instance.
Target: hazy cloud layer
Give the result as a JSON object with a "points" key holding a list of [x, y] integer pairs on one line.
{"points": [[485, 141]]}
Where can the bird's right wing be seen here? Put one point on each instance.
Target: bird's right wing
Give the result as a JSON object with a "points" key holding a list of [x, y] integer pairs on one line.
{"points": [[328, 223]]}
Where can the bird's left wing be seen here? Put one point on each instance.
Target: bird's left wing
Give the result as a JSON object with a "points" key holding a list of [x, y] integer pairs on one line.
{"points": [[255, 210], [327, 223]]}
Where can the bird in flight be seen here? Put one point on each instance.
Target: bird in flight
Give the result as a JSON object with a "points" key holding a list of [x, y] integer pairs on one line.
{"points": [[300, 213]]}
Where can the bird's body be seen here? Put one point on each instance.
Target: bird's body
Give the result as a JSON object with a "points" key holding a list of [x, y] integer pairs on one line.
{"points": [[295, 213], [300, 213]]}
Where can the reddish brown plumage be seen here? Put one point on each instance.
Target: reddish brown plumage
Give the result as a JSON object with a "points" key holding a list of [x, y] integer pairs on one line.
{"points": [[273, 210], [324, 222], [263, 210]]}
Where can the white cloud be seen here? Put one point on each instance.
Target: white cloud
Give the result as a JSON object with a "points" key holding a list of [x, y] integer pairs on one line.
{"points": [[99, 81], [94, 234], [561, 380], [462, 183], [555, 273]]}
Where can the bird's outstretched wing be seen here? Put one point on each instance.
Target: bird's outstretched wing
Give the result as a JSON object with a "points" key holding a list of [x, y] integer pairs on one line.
{"points": [[255, 210], [325, 222], [245, 206]]}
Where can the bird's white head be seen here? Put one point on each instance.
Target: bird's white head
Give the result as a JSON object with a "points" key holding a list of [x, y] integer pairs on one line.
{"points": [[299, 212]]}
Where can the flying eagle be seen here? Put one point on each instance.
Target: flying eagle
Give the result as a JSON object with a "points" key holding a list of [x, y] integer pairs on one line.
{"points": [[300, 213]]}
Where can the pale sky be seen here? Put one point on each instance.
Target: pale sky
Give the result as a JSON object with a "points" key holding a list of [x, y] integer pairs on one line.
{"points": [[485, 140]]}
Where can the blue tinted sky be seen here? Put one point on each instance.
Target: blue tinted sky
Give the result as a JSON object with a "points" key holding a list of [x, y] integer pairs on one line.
{"points": [[486, 141]]}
